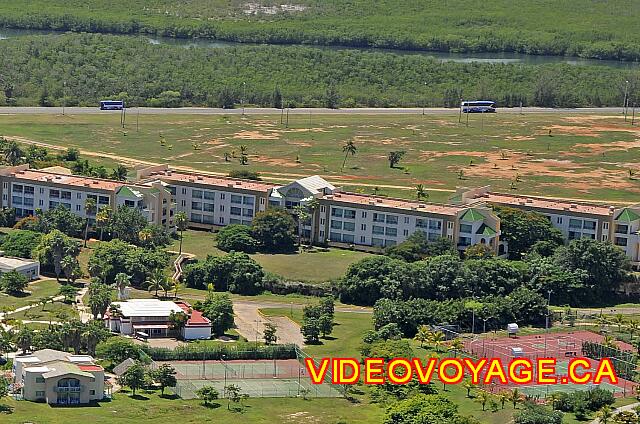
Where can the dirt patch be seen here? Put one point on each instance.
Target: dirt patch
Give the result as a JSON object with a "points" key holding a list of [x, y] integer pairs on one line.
{"points": [[274, 161], [597, 149], [255, 135], [520, 138]]}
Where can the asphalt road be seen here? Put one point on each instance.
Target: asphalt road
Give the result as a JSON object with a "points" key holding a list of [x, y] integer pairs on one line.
{"points": [[299, 111]]}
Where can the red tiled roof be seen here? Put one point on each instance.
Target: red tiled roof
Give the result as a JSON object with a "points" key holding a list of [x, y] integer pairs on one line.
{"points": [[90, 368], [195, 318], [214, 181], [385, 202], [549, 204]]}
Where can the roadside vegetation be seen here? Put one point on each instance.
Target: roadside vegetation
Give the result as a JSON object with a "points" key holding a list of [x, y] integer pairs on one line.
{"points": [[96, 67]]}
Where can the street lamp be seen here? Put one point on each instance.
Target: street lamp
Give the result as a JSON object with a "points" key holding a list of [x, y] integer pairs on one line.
{"points": [[626, 99], [64, 95], [244, 87], [424, 102]]}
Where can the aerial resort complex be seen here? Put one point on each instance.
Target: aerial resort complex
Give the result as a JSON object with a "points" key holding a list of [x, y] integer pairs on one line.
{"points": [[334, 212]]}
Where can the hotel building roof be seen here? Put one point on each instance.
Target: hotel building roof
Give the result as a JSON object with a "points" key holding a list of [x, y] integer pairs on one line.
{"points": [[204, 179], [385, 202], [543, 203]]}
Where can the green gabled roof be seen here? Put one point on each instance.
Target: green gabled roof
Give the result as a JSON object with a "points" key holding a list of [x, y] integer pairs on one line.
{"points": [[485, 230], [128, 192], [627, 215], [472, 215]]}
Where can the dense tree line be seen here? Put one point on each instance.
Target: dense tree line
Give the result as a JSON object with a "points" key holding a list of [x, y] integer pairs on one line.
{"points": [[584, 272], [542, 27], [95, 67]]}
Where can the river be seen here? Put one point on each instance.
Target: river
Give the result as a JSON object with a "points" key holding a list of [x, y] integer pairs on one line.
{"points": [[502, 57]]}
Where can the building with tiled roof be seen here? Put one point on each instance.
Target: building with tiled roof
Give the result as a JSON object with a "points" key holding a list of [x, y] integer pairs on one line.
{"points": [[59, 378], [150, 318], [28, 190], [620, 226]]}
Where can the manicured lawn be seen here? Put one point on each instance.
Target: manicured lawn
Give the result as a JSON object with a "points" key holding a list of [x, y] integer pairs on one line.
{"points": [[586, 156], [313, 266], [36, 291], [151, 408], [56, 311], [346, 337]]}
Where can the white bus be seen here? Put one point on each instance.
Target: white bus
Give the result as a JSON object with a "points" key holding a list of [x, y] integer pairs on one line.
{"points": [[478, 106]]}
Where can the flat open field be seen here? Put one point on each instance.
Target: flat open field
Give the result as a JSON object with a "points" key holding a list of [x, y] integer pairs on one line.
{"points": [[586, 156]]}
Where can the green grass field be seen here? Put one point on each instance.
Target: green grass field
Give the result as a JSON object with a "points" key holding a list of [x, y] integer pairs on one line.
{"points": [[34, 292], [56, 311], [313, 266], [586, 156]]}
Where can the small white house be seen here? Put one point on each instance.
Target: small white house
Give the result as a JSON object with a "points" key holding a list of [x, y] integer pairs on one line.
{"points": [[27, 267], [150, 318]]}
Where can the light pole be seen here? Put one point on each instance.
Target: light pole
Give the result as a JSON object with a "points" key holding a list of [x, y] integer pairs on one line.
{"points": [[244, 87], [424, 102], [546, 326], [484, 331], [473, 320], [64, 95], [626, 99]]}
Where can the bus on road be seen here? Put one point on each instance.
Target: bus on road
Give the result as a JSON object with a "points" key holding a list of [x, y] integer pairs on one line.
{"points": [[111, 105], [478, 106]]}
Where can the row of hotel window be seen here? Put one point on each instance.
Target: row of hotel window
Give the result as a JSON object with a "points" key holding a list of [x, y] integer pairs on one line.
{"points": [[431, 224], [233, 210], [211, 195], [208, 219], [57, 194]]}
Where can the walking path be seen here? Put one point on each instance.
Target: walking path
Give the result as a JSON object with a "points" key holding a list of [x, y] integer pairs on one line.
{"points": [[617, 410]]}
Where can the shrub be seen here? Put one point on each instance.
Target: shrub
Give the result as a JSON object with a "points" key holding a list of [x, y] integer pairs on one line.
{"points": [[236, 237]]}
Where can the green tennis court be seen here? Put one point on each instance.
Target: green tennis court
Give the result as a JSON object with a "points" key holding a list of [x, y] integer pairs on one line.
{"points": [[544, 390]]}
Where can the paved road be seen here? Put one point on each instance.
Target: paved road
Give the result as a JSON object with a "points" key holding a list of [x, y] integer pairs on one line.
{"points": [[618, 410], [299, 111]]}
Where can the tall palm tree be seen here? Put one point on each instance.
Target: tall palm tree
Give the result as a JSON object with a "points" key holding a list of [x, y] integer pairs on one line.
{"points": [[633, 326], [619, 320], [6, 341], [301, 213], [121, 282], [102, 219], [468, 385], [421, 193], [482, 398], [13, 153], [515, 397], [89, 209], [156, 281], [349, 148], [181, 223], [609, 341], [144, 235]]}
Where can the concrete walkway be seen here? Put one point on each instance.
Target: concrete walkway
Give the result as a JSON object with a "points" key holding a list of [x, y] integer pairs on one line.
{"points": [[617, 410]]}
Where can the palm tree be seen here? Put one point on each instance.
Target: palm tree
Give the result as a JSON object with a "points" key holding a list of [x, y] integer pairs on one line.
{"points": [[89, 209], [177, 286], [349, 149], [436, 338], [515, 397], [422, 335], [121, 282], [24, 339], [102, 219], [181, 224], [421, 193], [609, 341], [554, 398], [456, 345], [144, 235], [13, 153], [605, 414], [633, 326], [468, 385], [300, 211], [503, 397], [603, 321], [6, 341], [619, 320], [156, 281], [482, 398]]}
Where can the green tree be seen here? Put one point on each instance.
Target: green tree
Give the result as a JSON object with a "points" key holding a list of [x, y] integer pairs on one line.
{"points": [[181, 221], [24, 339], [165, 376], [482, 398], [13, 154], [113, 257], [208, 394], [93, 333], [421, 192], [395, 157], [99, 296], [479, 251], [177, 321], [218, 307], [89, 209], [20, 243], [13, 282], [103, 219], [53, 248], [522, 229], [269, 334], [274, 229], [134, 377], [331, 97], [121, 282], [605, 414], [422, 335], [156, 281], [117, 349], [234, 394], [236, 237], [119, 173], [349, 148]]}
